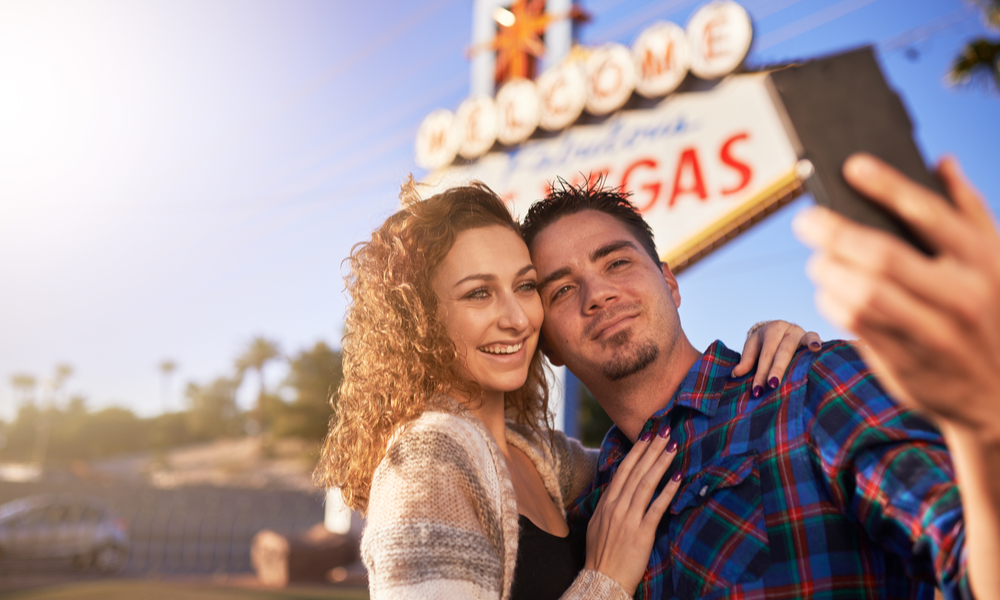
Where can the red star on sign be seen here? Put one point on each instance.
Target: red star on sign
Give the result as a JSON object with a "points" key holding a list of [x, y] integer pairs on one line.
{"points": [[519, 45], [518, 42]]}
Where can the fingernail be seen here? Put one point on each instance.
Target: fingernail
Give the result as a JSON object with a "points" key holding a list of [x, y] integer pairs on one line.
{"points": [[860, 165], [646, 436], [773, 382], [672, 446], [664, 430], [815, 345], [757, 391], [802, 223], [677, 476]]}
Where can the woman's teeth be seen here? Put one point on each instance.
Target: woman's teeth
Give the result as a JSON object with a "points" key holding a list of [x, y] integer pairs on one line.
{"points": [[501, 349]]}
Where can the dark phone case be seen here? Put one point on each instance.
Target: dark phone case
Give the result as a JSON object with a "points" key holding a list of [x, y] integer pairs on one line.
{"points": [[836, 106]]}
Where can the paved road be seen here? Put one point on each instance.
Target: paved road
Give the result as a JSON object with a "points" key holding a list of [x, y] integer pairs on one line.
{"points": [[172, 589]]}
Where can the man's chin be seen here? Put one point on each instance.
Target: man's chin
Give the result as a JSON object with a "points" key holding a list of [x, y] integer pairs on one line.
{"points": [[630, 361], [618, 340]]}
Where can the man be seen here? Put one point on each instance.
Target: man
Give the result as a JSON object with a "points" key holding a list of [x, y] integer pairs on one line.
{"points": [[821, 486]]}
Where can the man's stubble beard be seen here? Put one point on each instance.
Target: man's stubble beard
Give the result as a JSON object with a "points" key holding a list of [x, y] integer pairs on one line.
{"points": [[630, 360]]}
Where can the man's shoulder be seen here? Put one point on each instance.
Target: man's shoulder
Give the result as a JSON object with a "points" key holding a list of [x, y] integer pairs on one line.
{"points": [[838, 355], [834, 370], [713, 371], [834, 374], [844, 396]]}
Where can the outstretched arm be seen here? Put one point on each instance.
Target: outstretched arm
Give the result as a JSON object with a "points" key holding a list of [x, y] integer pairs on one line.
{"points": [[931, 324]]}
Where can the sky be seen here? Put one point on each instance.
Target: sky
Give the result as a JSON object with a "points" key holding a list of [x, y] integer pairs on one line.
{"points": [[178, 176]]}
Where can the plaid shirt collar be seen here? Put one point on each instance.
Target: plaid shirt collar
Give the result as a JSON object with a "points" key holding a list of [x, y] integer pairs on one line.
{"points": [[705, 381], [700, 390]]}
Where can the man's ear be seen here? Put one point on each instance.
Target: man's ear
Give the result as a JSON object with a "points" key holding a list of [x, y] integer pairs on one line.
{"points": [[549, 353], [675, 290]]}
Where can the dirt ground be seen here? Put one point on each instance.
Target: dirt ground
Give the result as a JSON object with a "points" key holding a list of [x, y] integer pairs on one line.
{"points": [[245, 462]]}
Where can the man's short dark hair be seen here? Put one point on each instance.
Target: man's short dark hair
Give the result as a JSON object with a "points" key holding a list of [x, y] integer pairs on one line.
{"points": [[566, 199]]}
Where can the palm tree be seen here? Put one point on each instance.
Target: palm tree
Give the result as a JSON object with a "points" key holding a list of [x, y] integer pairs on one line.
{"points": [[167, 368], [63, 372], [979, 60], [258, 353], [24, 387]]}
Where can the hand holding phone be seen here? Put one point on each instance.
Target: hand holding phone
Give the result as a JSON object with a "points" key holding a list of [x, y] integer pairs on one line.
{"points": [[834, 107]]}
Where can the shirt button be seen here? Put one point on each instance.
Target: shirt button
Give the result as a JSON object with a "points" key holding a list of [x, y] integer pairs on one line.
{"points": [[704, 490]]}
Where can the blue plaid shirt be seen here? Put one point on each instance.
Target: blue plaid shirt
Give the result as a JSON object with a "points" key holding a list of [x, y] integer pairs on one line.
{"points": [[824, 487]]}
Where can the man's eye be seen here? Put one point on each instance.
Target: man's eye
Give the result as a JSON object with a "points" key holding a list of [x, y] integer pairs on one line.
{"points": [[560, 291], [618, 263]]}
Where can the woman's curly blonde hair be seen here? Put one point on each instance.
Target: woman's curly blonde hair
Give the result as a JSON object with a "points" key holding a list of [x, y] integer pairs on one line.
{"points": [[398, 359]]}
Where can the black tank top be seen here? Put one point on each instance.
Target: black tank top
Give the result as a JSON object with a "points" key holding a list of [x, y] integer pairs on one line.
{"points": [[546, 564]]}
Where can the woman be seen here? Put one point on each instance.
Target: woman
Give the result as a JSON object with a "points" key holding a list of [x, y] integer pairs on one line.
{"points": [[442, 430]]}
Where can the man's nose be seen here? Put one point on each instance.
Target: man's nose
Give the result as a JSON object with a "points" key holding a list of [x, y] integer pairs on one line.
{"points": [[598, 292]]}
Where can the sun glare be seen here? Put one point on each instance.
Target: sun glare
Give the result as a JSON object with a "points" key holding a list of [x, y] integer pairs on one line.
{"points": [[504, 17]]}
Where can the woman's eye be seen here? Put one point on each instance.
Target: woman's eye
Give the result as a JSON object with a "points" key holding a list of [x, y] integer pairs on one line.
{"points": [[478, 294], [528, 286]]}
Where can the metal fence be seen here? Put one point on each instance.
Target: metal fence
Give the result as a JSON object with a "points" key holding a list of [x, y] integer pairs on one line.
{"points": [[190, 530]]}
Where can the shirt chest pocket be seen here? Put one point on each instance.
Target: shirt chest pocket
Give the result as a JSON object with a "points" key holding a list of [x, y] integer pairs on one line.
{"points": [[718, 538]]}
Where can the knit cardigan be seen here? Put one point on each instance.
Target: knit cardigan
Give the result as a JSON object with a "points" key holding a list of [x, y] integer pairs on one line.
{"points": [[442, 517]]}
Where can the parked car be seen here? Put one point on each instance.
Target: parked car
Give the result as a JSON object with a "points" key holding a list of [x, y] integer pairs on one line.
{"points": [[63, 526]]}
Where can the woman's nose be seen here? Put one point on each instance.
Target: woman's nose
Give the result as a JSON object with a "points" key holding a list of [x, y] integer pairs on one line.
{"points": [[512, 314]]}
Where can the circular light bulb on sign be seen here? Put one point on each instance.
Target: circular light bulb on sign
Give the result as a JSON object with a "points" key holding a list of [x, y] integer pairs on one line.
{"points": [[562, 93], [719, 35], [662, 58], [437, 140], [610, 78], [476, 121], [518, 111]]}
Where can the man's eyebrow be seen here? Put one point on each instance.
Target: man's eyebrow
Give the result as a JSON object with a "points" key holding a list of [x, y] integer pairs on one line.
{"points": [[595, 256], [557, 274], [609, 248]]}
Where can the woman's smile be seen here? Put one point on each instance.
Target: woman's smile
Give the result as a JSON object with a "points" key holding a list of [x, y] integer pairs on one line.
{"points": [[502, 349]]}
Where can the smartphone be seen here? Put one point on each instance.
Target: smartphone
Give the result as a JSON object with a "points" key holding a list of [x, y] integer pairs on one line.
{"points": [[835, 106]]}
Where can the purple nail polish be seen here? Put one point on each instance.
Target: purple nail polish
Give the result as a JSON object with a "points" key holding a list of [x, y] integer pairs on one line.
{"points": [[815, 345], [677, 476], [664, 430], [773, 382], [672, 446], [646, 436], [757, 391]]}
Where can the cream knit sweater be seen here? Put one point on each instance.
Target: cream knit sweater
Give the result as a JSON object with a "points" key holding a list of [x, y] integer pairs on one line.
{"points": [[442, 515]]}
